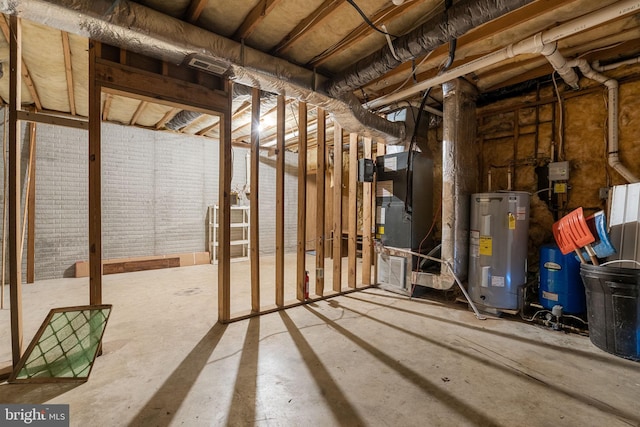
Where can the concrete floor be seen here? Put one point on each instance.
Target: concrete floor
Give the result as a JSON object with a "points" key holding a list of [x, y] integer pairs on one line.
{"points": [[369, 358]]}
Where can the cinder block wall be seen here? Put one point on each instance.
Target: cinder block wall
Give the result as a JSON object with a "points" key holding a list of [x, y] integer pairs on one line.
{"points": [[155, 193]]}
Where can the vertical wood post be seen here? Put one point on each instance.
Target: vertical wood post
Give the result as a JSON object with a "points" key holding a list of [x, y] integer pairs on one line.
{"points": [[320, 190], [381, 150], [95, 184], [254, 244], [337, 207], [366, 221], [352, 222], [224, 199], [31, 207], [302, 199], [280, 114], [15, 99]]}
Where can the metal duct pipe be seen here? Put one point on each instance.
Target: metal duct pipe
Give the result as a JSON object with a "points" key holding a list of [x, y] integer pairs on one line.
{"points": [[612, 118], [530, 45], [140, 29], [461, 17]]}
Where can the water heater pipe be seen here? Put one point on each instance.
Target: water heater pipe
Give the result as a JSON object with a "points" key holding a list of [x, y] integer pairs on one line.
{"points": [[543, 43], [612, 119]]}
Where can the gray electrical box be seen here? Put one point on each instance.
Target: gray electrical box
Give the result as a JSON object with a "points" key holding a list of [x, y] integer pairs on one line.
{"points": [[559, 171]]}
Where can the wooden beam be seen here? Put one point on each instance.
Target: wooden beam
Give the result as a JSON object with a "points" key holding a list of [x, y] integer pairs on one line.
{"points": [[167, 116], [15, 100], [317, 16], [337, 207], [254, 18], [254, 243], [352, 222], [302, 200], [107, 107], [362, 31], [66, 48], [381, 150], [50, 119], [207, 129], [124, 80], [280, 201], [195, 10], [26, 75], [367, 207], [31, 207], [141, 107], [95, 177], [224, 230], [320, 199]]}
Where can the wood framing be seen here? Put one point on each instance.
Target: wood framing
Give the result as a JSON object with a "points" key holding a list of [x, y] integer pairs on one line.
{"points": [[337, 207], [224, 230], [302, 201], [52, 119], [66, 48], [280, 120], [195, 10], [15, 100], [141, 107], [320, 199], [367, 207], [352, 222], [254, 18], [107, 107], [31, 206], [167, 116], [254, 245], [95, 183]]}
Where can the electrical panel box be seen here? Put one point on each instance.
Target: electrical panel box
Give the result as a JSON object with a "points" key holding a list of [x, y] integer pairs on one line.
{"points": [[365, 170], [404, 199], [559, 171]]}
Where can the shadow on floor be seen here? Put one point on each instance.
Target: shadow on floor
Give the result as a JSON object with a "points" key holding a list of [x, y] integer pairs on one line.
{"points": [[33, 393], [490, 360], [344, 413], [163, 405], [451, 401], [243, 405]]}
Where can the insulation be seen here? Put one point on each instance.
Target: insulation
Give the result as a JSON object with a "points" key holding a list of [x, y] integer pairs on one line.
{"points": [[462, 17], [540, 223]]}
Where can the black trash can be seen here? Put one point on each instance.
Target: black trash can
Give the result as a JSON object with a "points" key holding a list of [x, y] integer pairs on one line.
{"points": [[613, 308]]}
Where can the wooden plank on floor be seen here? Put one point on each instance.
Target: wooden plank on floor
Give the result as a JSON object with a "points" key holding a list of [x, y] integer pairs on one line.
{"points": [[280, 201], [224, 200], [337, 207], [143, 265], [302, 201], [320, 199], [15, 264], [31, 207], [367, 205], [95, 176], [352, 222], [254, 242]]}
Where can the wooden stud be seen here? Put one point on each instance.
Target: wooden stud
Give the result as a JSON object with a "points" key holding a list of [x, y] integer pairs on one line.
{"points": [[367, 206], [5, 204], [15, 100], [95, 185], [280, 202], [317, 16], [254, 244], [381, 150], [352, 222], [66, 48], [51, 119], [31, 207], [337, 207], [254, 18], [320, 190], [26, 75], [224, 230], [302, 200]]}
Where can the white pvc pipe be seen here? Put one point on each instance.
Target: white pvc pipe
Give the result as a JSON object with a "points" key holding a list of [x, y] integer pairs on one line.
{"points": [[596, 64], [534, 44]]}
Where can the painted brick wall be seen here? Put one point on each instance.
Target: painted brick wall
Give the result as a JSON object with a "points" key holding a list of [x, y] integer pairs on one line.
{"points": [[156, 189]]}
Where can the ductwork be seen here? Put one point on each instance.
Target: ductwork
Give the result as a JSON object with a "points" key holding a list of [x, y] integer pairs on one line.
{"points": [[140, 29], [460, 18]]}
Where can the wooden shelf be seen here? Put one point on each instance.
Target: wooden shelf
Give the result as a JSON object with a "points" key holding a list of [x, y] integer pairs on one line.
{"points": [[239, 234]]}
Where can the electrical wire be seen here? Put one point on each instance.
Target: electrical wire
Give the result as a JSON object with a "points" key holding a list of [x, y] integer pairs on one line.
{"points": [[560, 122], [367, 20]]}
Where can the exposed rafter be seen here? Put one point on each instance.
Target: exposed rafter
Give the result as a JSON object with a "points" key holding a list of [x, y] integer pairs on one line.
{"points": [[254, 18], [195, 10], [26, 76], [167, 116], [325, 9], [69, 71], [139, 111], [107, 106]]}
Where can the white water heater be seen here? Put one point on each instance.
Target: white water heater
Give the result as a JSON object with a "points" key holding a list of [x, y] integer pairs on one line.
{"points": [[499, 233]]}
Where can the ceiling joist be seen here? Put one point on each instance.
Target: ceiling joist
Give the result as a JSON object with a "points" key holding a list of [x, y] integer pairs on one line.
{"points": [[254, 18], [195, 10], [69, 71]]}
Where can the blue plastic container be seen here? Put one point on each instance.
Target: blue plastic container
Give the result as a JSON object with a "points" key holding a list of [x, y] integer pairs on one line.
{"points": [[560, 281]]}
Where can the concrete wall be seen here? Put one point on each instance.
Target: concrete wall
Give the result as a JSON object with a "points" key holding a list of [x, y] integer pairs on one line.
{"points": [[155, 193]]}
